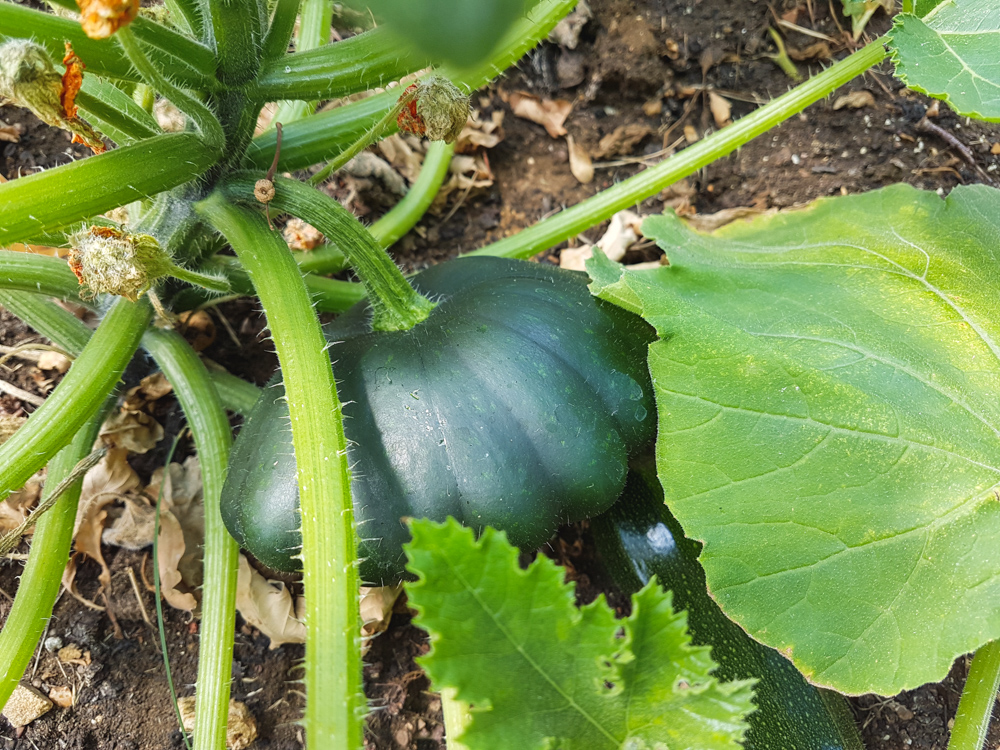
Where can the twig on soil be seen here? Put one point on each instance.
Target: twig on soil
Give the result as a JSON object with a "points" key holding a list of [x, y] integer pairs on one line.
{"points": [[138, 595], [22, 395], [926, 126]]}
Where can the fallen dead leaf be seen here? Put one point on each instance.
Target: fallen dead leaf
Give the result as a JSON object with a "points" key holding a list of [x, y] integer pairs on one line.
{"points": [[405, 153], [567, 31], [241, 727], [995, 148], [817, 51], [133, 527], [367, 165], [73, 654], [268, 606], [855, 100], [549, 113], [300, 235], [479, 133], [133, 431], [11, 133], [49, 360], [579, 161], [198, 328], [621, 234], [377, 605], [182, 532], [690, 133], [622, 140], [721, 109]]}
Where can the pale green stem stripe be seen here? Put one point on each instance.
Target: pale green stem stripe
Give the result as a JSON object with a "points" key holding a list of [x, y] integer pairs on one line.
{"points": [[975, 709], [335, 704], [90, 379], [213, 439], [604, 205]]}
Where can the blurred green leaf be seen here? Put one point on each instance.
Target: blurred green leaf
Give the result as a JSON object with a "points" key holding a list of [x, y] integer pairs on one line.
{"points": [[462, 33], [951, 54], [829, 425], [540, 673]]}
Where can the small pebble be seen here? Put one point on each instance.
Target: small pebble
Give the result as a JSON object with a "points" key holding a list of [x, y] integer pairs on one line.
{"points": [[53, 643], [25, 705]]}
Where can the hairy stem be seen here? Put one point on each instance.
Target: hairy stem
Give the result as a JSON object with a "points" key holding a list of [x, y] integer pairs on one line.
{"points": [[41, 274], [605, 204], [335, 705], [975, 708], [213, 438], [314, 32], [395, 304], [90, 379]]}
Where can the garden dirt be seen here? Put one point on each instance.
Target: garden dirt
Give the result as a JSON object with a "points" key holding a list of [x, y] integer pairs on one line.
{"points": [[638, 80]]}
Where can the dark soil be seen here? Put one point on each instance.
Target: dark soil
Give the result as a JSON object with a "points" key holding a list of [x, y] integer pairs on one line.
{"points": [[638, 66]]}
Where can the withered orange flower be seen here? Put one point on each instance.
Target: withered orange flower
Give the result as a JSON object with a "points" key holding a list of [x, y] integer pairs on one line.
{"points": [[72, 80], [102, 18]]}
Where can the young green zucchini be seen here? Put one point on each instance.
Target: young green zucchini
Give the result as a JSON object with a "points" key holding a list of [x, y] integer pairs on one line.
{"points": [[515, 404], [637, 539]]}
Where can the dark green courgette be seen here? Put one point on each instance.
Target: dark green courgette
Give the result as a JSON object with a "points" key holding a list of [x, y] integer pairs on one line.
{"points": [[515, 404], [637, 539]]}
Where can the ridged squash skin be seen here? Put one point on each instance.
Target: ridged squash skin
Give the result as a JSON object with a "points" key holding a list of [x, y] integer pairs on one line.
{"points": [[515, 404]]}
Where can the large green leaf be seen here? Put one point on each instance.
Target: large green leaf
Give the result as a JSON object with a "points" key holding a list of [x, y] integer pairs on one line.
{"points": [[951, 54], [827, 387], [541, 673]]}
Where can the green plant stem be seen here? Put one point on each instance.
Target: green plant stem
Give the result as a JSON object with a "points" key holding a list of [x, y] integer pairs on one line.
{"points": [[314, 32], [42, 576], [213, 438], [83, 389], [335, 705], [402, 217], [604, 205], [188, 14], [49, 319], [42, 274], [327, 258], [212, 283], [975, 708], [237, 26], [279, 33], [236, 394], [395, 304], [375, 133], [204, 119]]}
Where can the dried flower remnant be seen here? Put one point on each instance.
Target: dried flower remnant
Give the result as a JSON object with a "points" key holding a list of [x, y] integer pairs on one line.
{"points": [[108, 260], [434, 108], [29, 78], [102, 18]]}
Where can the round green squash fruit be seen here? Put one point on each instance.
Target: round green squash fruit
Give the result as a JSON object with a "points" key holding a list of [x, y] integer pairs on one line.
{"points": [[515, 404]]}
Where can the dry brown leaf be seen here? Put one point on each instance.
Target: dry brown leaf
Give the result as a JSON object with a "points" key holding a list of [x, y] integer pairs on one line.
{"points": [[567, 31], [817, 51], [110, 480], [131, 431], [268, 606], [711, 222], [467, 173], [690, 133], [405, 153], [367, 165], [855, 100], [49, 360], [579, 161], [241, 727], [549, 113], [622, 140], [300, 235], [198, 328], [133, 527], [11, 133], [182, 532], [479, 133], [377, 604], [73, 654], [150, 388], [621, 234], [722, 110]]}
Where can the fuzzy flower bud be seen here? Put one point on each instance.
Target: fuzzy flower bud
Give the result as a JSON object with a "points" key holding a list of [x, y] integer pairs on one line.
{"points": [[29, 78], [438, 110], [108, 260], [102, 18]]}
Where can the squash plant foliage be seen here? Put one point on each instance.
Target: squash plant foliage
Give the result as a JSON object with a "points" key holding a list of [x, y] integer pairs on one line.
{"points": [[824, 379]]}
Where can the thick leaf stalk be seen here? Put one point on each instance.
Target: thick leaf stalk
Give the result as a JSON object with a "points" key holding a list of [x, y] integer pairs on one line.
{"points": [[42, 576], [90, 379], [395, 304], [975, 709], [41, 274], [335, 706], [607, 203]]}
